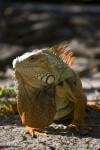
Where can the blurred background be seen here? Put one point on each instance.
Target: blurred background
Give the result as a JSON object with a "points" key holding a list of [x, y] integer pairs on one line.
{"points": [[26, 25]]}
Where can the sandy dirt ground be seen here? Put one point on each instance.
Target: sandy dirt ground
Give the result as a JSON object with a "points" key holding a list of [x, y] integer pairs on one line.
{"points": [[13, 136]]}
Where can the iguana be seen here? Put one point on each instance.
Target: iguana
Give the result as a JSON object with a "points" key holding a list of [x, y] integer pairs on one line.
{"points": [[48, 88]]}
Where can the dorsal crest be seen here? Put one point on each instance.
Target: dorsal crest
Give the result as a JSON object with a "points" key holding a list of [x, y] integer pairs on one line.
{"points": [[62, 51]]}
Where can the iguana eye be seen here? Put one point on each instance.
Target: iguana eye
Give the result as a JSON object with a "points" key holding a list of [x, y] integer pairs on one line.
{"points": [[32, 58]]}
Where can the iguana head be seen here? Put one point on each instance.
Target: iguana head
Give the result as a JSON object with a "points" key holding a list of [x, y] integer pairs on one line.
{"points": [[40, 67]]}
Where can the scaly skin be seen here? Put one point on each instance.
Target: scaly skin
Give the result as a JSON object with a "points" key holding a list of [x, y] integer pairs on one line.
{"points": [[49, 89], [35, 108], [72, 90]]}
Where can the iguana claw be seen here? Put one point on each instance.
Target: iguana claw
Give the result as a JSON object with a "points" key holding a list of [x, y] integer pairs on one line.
{"points": [[77, 124], [72, 126], [32, 131]]}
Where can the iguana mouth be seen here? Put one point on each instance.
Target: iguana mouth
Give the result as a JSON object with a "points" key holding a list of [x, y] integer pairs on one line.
{"points": [[18, 76], [15, 62]]}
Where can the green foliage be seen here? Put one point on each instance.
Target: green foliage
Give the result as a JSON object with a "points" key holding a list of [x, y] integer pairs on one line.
{"points": [[1, 91], [7, 92], [10, 91], [6, 102]]}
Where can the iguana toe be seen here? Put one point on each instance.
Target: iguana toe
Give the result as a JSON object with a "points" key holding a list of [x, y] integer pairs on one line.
{"points": [[77, 124], [43, 132], [72, 126]]}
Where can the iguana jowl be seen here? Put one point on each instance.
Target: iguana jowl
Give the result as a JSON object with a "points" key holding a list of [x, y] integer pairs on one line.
{"points": [[48, 88]]}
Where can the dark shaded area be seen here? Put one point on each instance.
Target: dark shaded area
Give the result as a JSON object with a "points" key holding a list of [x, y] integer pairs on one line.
{"points": [[65, 2], [30, 25]]}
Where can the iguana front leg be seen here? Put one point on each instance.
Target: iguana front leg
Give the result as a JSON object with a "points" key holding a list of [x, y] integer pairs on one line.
{"points": [[79, 114], [75, 94]]}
